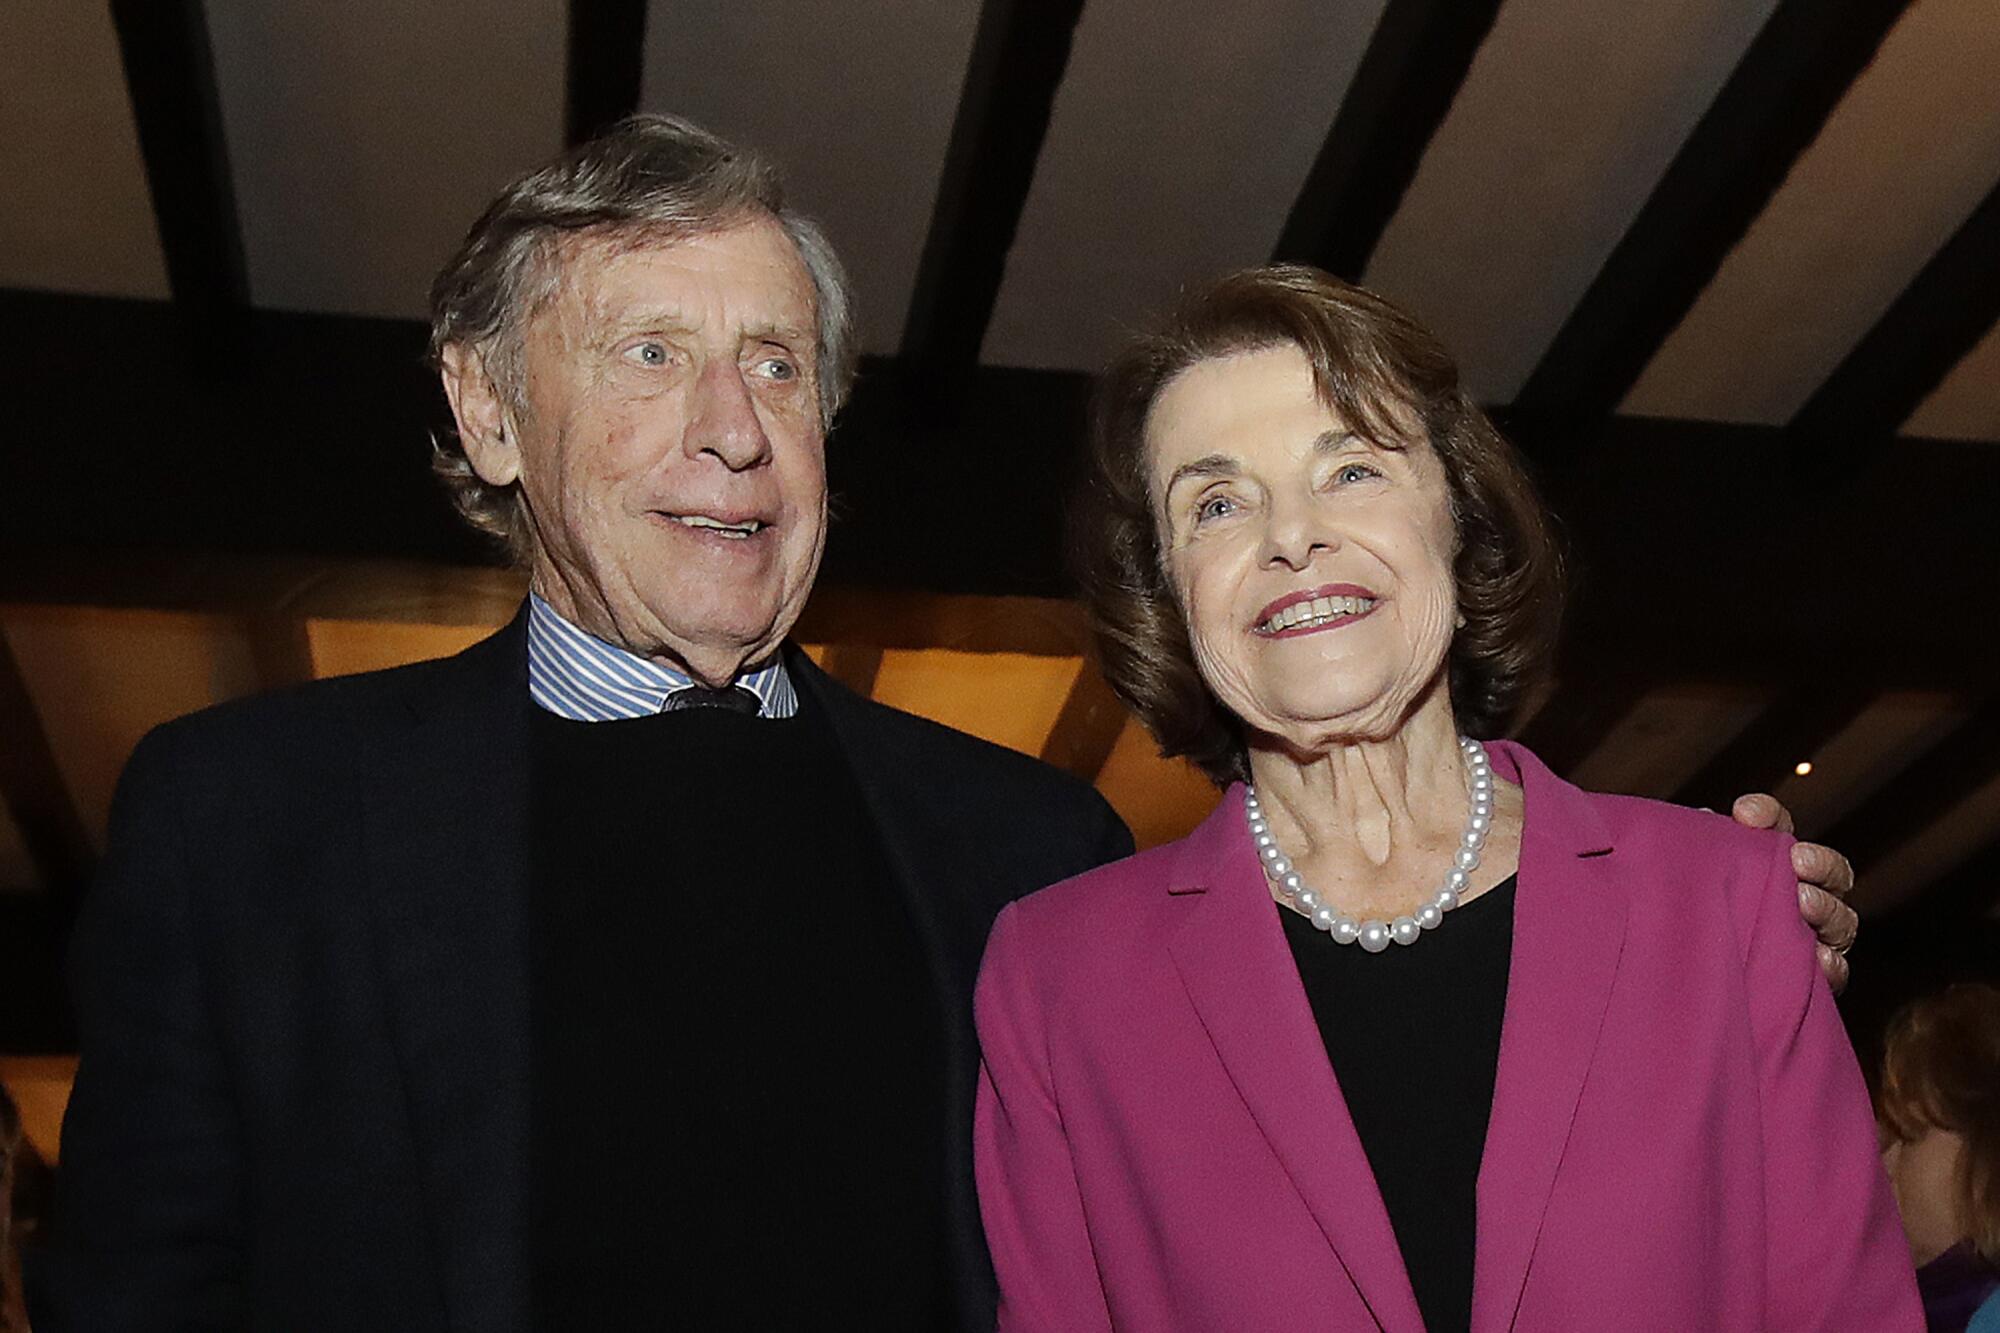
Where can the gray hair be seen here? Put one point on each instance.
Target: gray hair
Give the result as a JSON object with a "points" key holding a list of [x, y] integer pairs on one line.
{"points": [[647, 179]]}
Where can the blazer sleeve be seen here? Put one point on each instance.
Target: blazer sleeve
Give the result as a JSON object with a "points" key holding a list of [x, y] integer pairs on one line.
{"points": [[1029, 1199], [148, 1230], [1836, 1255]]}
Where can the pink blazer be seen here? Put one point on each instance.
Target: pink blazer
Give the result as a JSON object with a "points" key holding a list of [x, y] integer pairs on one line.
{"points": [[1680, 1137]]}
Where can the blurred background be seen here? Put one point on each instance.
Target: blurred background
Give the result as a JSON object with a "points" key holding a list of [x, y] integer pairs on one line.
{"points": [[1727, 270]]}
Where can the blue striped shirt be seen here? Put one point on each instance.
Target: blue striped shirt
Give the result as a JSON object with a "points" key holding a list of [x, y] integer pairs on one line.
{"points": [[581, 677]]}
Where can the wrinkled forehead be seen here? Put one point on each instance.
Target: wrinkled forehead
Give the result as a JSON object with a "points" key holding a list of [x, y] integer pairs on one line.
{"points": [[1249, 388], [747, 272]]}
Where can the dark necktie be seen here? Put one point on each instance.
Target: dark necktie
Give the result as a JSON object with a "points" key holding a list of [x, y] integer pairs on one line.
{"points": [[735, 698]]}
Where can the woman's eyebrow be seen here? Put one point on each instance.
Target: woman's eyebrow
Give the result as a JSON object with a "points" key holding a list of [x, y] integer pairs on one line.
{"points": [[1333, 441], [1210, 465]]}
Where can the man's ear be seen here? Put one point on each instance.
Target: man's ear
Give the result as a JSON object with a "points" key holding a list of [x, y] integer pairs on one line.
{"points": [[481, 412]]}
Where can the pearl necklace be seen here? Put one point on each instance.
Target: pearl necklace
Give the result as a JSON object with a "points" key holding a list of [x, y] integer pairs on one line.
{"points": [[1376, 935]]}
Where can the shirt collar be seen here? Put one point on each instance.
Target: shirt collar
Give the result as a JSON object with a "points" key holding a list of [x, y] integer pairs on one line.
{"points": [[580, 677]]}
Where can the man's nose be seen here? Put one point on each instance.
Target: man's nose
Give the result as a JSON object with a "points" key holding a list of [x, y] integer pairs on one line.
{"points": [[723, 418], [1294, 533]]}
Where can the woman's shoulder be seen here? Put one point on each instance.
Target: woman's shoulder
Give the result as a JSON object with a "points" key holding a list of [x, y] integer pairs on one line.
{"points": [[1104, 923], [1112, 890]]}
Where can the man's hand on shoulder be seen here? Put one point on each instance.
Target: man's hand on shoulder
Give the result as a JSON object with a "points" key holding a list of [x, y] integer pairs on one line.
{"points": [[1825, 879]]}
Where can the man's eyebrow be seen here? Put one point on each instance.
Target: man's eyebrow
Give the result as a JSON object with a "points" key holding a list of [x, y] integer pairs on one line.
{"points": [[665, 319], [785, 333]]}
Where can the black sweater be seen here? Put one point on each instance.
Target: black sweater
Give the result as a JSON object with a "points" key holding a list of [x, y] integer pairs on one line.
{"points": [[738, 1076]]}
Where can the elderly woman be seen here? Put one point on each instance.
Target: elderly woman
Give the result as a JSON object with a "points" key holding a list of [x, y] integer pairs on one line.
{"points": [[1409, 1034]]}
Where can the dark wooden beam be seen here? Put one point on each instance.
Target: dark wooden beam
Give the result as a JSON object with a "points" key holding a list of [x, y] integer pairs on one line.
{"points": [[607, 60], [854, 665], [1404, 85], [1087, 728], [1769, 111], [35, 793], [1019, 55], [1700, 556], [170, 76], [1578, 716], [1933, 782], [1793, 728], [1947, 308]]}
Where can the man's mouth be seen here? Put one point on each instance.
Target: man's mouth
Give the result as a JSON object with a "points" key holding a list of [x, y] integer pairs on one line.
{"points": [[734, 531], [1310, 611]]}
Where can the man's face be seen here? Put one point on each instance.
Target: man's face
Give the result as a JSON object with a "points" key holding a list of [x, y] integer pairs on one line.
{"points": [[671, 454]]}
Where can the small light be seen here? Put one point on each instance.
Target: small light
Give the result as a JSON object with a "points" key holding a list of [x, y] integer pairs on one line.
{"points": [[1803, 767]]}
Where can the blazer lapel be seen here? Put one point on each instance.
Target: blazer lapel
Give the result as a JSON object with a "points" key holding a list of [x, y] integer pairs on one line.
{"points": [[1569, 931], [446, 796], [1238, 969]]}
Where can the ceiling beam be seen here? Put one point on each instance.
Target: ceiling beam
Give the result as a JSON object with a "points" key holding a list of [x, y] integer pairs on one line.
{"points": [[1413, 68], [1960, 762], [1793, 728], [170, 77], [1019, 55], [1088, 726], [607, 61], [1947, 308], [36, 795], [1795, 71]]}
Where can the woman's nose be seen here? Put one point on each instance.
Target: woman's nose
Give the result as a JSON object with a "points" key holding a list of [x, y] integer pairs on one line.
{"points": [[1294, 535]]}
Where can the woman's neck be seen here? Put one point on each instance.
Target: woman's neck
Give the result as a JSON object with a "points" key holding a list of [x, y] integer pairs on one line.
{"points": [[1368, 821]]}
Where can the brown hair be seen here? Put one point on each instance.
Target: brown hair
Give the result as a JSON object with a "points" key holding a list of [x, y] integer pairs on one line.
{"points": [[649, 179], [1941, 1069], [1378, 369]]}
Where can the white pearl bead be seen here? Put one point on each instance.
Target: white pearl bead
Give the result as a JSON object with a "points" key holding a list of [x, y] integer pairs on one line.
{"points": [[1345, 930], [1480, 823], [1324, 918], [1271, 854], [1446, 900], [1404, 930], [1265, 840], [1280, 868], [1291, 885], [1457, 879], [1430, 916], [1474, 839], [1374, 936], [1466, 858], [1308, 901]]}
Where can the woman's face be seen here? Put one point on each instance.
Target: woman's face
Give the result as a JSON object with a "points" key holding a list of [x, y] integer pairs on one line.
{"points": [[1314, 568], [1925, 1173]]}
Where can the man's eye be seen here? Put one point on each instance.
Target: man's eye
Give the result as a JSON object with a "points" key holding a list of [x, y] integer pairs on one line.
{"points": [[647, 353], [778, 368]]}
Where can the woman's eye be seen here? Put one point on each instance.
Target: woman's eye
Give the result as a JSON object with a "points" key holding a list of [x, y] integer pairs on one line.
{"points": [[648, 354], [1353, 472], [779, 368], [1215, 506]]}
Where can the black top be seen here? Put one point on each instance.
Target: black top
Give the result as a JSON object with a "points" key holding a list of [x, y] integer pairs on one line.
{"points": [[1414, 1037], [739, 1090]]}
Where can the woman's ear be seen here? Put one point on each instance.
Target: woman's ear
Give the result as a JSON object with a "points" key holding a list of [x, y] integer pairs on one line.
{"points": [[481, 412]]}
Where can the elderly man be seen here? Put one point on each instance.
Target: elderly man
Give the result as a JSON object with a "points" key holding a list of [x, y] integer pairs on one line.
{"points": [[616, 972]]}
